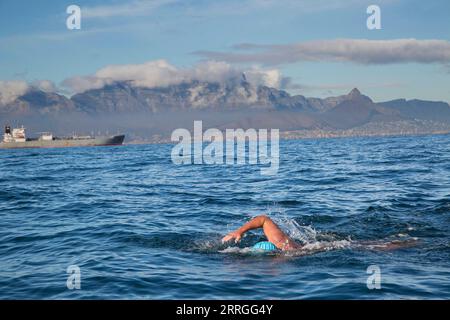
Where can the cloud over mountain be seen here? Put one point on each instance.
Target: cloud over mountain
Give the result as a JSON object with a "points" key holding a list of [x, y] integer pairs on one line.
{"points": [[160, 73], [10, 90], [360, 51], [44, 85]]}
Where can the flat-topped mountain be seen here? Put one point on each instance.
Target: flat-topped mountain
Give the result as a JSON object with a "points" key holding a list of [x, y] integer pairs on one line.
{"points": [[233, 103]]}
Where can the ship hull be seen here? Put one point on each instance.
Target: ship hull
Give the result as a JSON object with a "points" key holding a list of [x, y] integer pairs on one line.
{"points": [[65, 143]]}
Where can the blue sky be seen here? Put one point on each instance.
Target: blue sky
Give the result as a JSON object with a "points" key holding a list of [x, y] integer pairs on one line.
{"points": [[36, 45]]}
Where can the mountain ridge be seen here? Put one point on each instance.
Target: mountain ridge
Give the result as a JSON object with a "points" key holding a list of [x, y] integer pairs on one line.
{"points": [[240, 101]]}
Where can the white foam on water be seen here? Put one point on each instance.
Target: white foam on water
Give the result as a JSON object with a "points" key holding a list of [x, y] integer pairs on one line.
{"points": [[235, 250], [327, 246], [248, 251]]}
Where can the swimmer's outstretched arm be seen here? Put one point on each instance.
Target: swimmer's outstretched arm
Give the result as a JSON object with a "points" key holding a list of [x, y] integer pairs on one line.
{"points": [[273, 233], [255, 223]]}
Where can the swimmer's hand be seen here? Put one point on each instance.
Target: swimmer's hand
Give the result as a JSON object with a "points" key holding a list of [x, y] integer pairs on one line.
{"points": [[236, 235]]}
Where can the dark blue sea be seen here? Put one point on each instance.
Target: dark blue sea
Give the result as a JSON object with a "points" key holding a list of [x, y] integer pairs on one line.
{"points": [[139, 227]]}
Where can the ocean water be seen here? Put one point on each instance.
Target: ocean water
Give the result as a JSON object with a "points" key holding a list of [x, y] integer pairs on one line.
{"points": [[140, 227]]}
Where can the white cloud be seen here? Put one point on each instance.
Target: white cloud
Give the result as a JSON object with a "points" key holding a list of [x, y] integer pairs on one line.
{"points": [[361, 51], [267, 77], [44, 85], [132, 8], [160, 73], [79, 84], [245, 7], [10, 90], [222, 7]]}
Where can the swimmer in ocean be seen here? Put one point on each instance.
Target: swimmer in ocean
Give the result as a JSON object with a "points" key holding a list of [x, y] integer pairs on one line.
{"points": [[278, 240]]}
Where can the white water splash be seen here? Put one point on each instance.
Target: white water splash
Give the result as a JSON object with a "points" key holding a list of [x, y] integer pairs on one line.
{"points": [[246, 250], [311, 240], [295, 231], [327, 246]]}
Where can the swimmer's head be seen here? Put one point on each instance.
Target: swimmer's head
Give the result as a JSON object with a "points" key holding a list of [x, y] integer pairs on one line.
{"points": [[265, 246]]}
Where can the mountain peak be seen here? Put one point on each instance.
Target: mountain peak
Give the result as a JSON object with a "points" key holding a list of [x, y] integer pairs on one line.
{"points": [[354, 93]]}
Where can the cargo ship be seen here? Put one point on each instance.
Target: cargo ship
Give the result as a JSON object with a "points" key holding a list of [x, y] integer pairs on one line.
{"points": [[16, 138]]}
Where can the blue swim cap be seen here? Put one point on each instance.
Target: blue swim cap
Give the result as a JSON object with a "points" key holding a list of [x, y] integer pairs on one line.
{"points": [[265, 245]]}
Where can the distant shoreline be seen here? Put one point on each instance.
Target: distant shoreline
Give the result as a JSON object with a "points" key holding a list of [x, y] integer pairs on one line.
{"points": [[306, 136]]}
